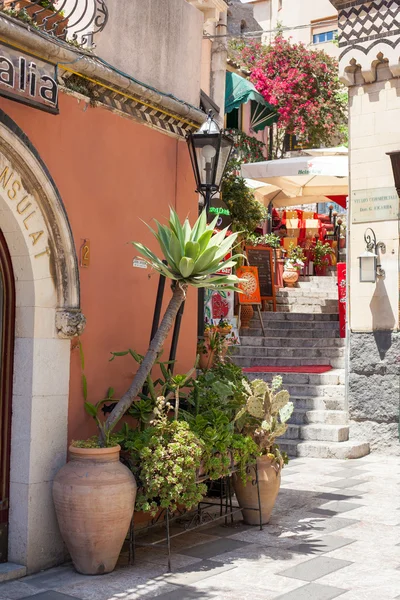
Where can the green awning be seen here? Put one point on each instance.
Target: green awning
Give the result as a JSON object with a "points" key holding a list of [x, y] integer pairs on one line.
{"points": [[240, 91], [262, 116]]}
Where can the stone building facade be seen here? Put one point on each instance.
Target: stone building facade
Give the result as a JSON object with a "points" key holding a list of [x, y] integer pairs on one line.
{"points": [[369, 45], [76, 178]]}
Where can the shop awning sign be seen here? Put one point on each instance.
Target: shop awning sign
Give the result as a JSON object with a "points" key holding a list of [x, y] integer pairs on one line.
{"points": [[28, 79]]}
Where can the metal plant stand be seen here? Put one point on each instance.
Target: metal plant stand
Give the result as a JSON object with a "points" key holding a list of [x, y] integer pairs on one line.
{"points": [[197, 518]]}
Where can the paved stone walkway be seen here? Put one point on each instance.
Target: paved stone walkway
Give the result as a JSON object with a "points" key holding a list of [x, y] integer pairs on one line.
{"points": [[335, 532]]}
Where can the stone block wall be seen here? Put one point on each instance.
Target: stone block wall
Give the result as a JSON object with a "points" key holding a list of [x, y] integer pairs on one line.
{"points": [[374, 389]]}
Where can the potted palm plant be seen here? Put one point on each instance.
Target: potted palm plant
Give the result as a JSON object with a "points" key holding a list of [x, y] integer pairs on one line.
{"points": [[264, 418], [94, 480]]}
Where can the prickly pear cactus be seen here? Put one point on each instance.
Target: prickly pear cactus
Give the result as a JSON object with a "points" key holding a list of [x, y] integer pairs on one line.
{"points": [[279, 401], [260, 387], [255, 407], [286, 412]]}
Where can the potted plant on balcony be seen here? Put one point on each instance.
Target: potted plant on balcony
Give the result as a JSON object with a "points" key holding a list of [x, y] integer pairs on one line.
{"points": [[86, 504], [321, 254], [43, 13], [264, 418]]}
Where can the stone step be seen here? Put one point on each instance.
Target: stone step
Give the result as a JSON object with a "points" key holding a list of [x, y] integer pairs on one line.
{"points": [[329, 417], [319, 403], [287, 324], [286, 333], [301, 416], [316, 449], [310, 301], [292, 342], [297, 308], [304, 317], [303, 293], [335, 377], [284, 352], [319, 432], [302, 361]]}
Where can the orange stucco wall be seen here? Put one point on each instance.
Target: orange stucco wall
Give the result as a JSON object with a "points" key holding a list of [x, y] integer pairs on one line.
{"points": [[111, 172]]}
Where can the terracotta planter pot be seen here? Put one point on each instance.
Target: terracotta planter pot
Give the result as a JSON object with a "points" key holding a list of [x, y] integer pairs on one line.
{"points": [[52, 22], [246, 314], [269, 475], [320, 269], [206, 361], [94, 496], [290, 277]]}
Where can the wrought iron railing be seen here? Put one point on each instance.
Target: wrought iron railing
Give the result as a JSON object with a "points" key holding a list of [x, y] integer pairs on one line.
{"points": [[76, 21]]}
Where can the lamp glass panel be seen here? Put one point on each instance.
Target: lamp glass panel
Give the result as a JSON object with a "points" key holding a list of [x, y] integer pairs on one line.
{"points": [[206, 147], [367, 269], [224, 153]]}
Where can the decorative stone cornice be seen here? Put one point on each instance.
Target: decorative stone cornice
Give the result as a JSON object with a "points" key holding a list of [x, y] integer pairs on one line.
{"points": [[210, 8], [369, 35], [70, 323]]}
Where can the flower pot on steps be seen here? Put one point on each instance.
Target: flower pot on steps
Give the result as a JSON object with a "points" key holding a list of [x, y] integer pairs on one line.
{"points": [[269, 476], [94, 497], [290, 277]]}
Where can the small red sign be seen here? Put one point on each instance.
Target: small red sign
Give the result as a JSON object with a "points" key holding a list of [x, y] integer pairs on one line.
{"points": [[341, 273], [227, 271]]}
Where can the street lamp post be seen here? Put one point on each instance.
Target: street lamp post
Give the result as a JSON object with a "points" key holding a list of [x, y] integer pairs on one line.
{"points": [[209, 149]]}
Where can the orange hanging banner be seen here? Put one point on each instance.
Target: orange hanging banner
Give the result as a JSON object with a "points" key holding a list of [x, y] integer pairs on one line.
{"points": [[251, 286]]}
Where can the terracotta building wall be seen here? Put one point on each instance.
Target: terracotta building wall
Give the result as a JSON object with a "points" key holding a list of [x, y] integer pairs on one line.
{"points": [[111, 172]]}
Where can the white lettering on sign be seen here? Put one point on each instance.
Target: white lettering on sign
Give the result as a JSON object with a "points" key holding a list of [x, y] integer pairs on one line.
{"points": [[139, 263], [28, 79], [380, 204], [25, 209]]}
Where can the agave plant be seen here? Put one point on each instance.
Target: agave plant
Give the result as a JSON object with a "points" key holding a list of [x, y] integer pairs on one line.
{"points": [[266, 412], [193, 257]]}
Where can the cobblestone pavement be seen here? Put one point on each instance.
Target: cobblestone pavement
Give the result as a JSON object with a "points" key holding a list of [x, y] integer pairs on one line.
{"points": [[335, 532]]}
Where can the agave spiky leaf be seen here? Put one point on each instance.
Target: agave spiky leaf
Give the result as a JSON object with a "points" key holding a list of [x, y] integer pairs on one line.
{"points": [[193, 255]]}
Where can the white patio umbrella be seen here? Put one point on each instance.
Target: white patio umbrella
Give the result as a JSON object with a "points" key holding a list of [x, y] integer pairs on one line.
{"points": [[301, 180]]}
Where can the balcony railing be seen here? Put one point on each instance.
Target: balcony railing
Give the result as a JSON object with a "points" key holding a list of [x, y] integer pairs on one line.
{"points": [[75, 21]]}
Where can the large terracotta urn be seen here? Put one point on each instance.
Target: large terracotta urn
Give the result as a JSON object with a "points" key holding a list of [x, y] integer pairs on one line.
{"points": [[269, 477], [246, 314], [290, 277], [94, 496]]}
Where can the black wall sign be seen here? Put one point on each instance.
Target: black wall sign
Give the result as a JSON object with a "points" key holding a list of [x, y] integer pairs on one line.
{"points": [[261, 257], [28, 79]]}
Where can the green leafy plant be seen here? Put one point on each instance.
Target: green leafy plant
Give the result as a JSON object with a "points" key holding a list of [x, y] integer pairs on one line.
{"points": [[166, 459], [321, 253], [264, 416], [245, 211], [296, 253], [193, 255]]}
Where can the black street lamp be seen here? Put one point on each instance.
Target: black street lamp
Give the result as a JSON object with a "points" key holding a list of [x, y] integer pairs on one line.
{"points": [[209, 150]]}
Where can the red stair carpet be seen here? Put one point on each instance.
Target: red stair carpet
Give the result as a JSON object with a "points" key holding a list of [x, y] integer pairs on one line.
{"points": [[306, 369]]}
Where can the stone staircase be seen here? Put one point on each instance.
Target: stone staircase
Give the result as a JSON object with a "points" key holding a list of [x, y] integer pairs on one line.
{"points": [[305, 332]]}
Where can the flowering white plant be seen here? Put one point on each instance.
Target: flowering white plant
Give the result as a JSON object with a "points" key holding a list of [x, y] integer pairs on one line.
{"points": [[294, 263]]}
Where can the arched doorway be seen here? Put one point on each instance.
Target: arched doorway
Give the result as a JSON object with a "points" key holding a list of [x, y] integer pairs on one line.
{"points": [[42, 257], [7, 324]]}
